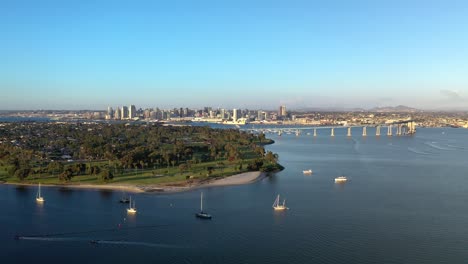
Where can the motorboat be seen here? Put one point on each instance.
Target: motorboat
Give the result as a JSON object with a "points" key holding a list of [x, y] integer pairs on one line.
{"points": [[341, 179]]}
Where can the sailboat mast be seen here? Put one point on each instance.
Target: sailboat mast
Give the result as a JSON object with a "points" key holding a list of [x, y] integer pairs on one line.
{"points": [[201, 202], [276, 201]]}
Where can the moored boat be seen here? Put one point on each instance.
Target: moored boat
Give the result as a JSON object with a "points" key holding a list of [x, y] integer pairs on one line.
{"points": [[341, 179], [277, 206], [202, 214], [39, 197], [131, 207]]}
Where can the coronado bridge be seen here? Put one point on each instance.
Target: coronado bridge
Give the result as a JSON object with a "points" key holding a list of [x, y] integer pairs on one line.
{"points": [[399, 128]]}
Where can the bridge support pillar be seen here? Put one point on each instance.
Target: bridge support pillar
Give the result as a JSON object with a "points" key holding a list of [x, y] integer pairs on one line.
{"points": [[411, 127], [364, 131], [332, 132], [315, 132], [389, 130], [349, 132], [377, 131]]}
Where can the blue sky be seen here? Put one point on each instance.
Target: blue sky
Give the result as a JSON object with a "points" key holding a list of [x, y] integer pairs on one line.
{"points": [[255, 54]]}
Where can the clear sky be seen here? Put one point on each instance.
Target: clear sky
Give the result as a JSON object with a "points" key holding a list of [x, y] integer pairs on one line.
{"points": [[256, 54]]}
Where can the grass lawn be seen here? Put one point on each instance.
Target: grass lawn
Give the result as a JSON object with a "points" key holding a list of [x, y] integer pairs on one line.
{"points": [[170, 175]]}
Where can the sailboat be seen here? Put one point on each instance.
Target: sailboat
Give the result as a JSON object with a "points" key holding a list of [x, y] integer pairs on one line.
{"points": [[124, 199], [278, 206], [131, 208], [39, 198], [202, 214]]}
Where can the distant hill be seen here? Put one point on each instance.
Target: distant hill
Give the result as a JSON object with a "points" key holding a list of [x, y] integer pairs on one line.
{"points": [[385, 109], [399, 109]]}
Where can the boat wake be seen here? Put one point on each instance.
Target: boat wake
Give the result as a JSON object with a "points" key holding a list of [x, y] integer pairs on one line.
{"points": [[134, 243], [97, 241], [418, 151], [455, 147], [433, 145], [58, 239]]}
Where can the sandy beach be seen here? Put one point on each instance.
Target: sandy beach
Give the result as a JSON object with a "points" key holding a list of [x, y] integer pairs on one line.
{"points": [[238, 179]]}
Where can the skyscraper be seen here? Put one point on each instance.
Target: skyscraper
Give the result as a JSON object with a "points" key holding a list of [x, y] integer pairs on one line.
{"points": [[234, 114], [110, 113], [117, 114], [124, 114], [282, 111], [132, 111]]}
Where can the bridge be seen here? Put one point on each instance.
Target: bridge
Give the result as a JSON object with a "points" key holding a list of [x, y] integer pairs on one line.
{"points": [[401, 128]]}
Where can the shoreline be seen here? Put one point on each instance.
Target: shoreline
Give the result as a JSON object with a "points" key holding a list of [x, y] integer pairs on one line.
{"points": [[236, 179]]}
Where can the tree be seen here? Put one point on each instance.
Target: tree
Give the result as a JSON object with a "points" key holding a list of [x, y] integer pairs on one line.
{"points": [[55, 167], [106, 175], [67, 175], [183, 167], [22, 173], [271, 157]]}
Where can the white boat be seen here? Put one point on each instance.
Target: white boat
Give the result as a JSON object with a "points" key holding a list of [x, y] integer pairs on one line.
{"points": [[340, 179], [278, 206], [309, 171], [39, 198], [202, 214], [131, 207]]}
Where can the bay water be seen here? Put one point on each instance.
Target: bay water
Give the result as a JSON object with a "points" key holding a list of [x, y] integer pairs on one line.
{"points": [[405, 201]]}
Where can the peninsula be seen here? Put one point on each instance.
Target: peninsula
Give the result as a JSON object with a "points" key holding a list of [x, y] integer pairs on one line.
{"points": [[133, 156]]}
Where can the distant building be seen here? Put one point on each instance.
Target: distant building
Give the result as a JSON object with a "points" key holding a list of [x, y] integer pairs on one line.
{"points": [[282, 111], [147, 114], [260, 115], [181, 112], [132, 112], [124, 114], [236, 114], [117, 114], [222, 113], [110, 113]]}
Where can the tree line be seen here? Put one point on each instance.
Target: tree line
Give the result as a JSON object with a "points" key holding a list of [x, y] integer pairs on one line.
{"points": [[74, 149]]}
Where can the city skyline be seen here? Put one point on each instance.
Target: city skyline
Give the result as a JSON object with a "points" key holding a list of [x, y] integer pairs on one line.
{"points": [[334, 54]]}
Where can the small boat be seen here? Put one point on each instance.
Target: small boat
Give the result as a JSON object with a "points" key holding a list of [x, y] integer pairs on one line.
{"points": [[124, 199], [309, 171], [202, 214], [131, 208], [278, 206], [340, 179], [95, 241], [39, 198]]}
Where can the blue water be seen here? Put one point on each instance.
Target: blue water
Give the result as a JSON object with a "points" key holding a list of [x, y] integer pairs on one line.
{"points": [[405, 202], [11, 119]]}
